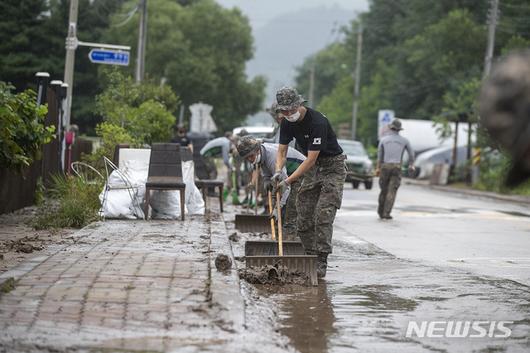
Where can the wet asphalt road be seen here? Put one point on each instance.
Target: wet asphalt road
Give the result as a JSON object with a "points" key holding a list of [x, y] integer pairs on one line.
{"points": [[444, 257]]}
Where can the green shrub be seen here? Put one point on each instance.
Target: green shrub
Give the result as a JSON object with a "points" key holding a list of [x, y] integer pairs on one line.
{"points": [[143, 110], [493, 170], [73, 203], [151, 122], [22, 130], [111, 135]]}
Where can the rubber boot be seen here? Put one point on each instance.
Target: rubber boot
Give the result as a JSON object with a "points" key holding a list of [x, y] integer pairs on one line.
{"points": [[322, 265], [235, 198]]}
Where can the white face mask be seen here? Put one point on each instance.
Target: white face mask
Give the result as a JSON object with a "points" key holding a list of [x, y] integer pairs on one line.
{"points": [[293, 117]]}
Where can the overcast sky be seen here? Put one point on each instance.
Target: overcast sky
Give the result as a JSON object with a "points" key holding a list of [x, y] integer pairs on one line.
{"points": [[262, 11], [288, 31]]}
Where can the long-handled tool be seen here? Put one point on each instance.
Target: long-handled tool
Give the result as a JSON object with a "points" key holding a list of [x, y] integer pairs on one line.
{"points": [[272, 253], [273, 223], [253, 222], [270, 247], [257, 188]]}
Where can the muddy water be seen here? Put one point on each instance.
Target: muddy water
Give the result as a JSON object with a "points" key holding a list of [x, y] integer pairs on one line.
{"points": [[369, 297]]}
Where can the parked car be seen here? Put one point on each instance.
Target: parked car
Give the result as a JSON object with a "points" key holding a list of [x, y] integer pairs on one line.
{"points": [[259, 132], [359, 166], [426, 161]]}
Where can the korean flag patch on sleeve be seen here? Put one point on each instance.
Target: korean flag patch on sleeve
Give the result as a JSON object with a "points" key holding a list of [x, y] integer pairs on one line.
{"points": [[317, 141]]}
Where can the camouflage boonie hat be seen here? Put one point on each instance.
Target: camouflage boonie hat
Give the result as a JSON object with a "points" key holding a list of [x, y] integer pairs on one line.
{"points": [[247, 145], [273, 110], [395, 125], [288, 98], [504, 106]]}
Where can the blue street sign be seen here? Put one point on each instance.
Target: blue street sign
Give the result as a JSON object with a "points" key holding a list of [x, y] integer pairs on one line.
{"points": [[109, 57]]}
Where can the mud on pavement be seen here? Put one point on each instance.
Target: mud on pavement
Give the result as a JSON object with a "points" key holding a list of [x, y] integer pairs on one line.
{"points": [[134, 286], [276, 275], [19, 241]]}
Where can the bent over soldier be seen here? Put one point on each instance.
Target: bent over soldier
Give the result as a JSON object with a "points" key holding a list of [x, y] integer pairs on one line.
{"points": [[324, 172], [389, 159], [264, 156]]}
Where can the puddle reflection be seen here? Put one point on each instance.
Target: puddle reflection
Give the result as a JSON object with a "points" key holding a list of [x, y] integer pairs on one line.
{"points": [[306, 316]]}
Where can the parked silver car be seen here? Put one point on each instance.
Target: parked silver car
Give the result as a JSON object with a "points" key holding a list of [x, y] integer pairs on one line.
{"points": [[360, 167]]}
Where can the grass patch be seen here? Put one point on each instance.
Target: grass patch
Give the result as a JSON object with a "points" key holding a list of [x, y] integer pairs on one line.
{"points": [[73, 202]]}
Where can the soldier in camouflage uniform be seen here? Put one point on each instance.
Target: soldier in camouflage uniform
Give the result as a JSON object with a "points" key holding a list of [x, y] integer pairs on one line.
{"points": [[505, 112], [264, 156], [324, 172], [389, 159]]}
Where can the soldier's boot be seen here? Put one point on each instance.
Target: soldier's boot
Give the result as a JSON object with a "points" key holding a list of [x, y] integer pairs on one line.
{"points": [[322, 265]]}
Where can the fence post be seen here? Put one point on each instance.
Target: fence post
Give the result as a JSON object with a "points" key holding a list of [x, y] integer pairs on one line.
{"points": [[56, 86]]}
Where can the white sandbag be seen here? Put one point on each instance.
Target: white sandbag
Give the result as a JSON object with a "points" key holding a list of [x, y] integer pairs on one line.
{"points": [[194, 201], [165, 204], [136, 171], [122, 199]]}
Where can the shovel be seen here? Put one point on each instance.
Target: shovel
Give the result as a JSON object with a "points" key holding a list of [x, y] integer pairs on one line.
{"points": [[270, 247], [253, 223], [272, 252]]}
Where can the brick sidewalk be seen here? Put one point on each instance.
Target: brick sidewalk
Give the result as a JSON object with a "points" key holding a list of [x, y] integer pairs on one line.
{"points": [[123, 285]]}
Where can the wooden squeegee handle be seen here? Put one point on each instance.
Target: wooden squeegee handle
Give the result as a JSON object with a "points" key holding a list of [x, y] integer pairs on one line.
{"points": [[280, 230], [257, 185], [273, 222]]}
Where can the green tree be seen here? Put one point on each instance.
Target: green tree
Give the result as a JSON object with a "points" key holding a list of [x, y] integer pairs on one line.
{"points": [[22, 130], [337, 105], [331, 65], [32, 35], [376, 96], [25, 42], [93, 20], [442, 57], [457, 104], [143, 110], [111, 135], [200, 50], [516, 42]]}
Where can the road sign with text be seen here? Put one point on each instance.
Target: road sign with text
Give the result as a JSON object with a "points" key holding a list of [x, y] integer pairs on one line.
{"points": [[109, 57]]}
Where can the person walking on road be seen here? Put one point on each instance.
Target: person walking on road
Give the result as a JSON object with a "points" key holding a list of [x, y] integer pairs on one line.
{"points": [[389, 159], [264, 156], [323, 172]]}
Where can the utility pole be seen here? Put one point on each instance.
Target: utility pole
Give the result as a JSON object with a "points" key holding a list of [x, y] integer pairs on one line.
{"points": [[357, 78], [142, 34], [492, 24], [493, 17], [312, 85], [71, 45]]}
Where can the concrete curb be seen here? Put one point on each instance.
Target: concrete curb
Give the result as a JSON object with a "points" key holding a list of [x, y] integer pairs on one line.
{"points": [[225, 286], [476, 193]]}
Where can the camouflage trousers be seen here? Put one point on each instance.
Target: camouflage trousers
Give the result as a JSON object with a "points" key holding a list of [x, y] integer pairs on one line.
{"points": [[319, 197], [389, 181], [290, 213]]}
